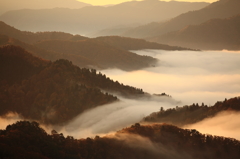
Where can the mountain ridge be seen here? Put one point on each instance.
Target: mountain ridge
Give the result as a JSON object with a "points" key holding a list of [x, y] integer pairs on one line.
{"points": [[215, 34], [78, 48], [35, 4], [219, 9], [93, 18]]}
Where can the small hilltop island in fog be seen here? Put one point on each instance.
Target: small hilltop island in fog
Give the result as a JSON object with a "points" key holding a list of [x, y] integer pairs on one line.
{"points": [[134, 80]]}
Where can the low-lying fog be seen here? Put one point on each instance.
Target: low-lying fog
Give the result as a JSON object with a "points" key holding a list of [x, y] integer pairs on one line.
{"points": [[112, 117], [188, 76], [225, 124]]}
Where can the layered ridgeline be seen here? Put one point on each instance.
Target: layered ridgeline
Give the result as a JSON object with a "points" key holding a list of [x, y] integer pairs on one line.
{"points": [[29, 140], [31, 38], [126, 43], [93, 18], [101, 53], [217, 34], [106, 56], [36, 4], [191, 114], [52, 92], [82, 51], [219, 9], [86, 53]]}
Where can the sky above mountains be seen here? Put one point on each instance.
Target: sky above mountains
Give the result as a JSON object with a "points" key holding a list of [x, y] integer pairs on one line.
{"points": [[107, 2]]}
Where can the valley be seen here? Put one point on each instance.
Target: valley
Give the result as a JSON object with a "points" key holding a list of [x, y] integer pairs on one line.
{"points": [[148, 79]]}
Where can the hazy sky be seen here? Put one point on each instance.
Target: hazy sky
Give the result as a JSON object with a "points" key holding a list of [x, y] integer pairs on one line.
{"points": [[105, 2]]}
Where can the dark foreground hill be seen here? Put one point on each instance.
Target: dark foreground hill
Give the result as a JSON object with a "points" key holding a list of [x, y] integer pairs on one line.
{"points": [[52, 92], [185, 115], [215, 34], [28, 140], [17, 64]]}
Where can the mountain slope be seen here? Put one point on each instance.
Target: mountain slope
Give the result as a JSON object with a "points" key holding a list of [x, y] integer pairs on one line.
{"points": [[47, 92], [219, 9], [83, 54], [215, 34], [94, 18], [74, 48], [105, 55], [52, 92], [17, 64], [115, 41], [46, 54], [30, 37]]}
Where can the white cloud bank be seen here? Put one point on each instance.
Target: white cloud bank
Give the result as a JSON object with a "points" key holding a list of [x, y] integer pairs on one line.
{"points": [[225, 124], [188, 76]]}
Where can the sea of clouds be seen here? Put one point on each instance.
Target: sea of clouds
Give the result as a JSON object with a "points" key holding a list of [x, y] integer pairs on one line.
{"points": [[188, 76]]}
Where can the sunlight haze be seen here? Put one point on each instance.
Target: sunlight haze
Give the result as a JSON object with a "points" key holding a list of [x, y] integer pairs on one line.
{"points": [[106, 2], [120, 79]]}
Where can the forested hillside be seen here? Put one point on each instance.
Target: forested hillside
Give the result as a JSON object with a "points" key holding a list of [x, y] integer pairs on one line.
{"points": [[193, 113], [28, 140], [52, 92], [17, 64]]}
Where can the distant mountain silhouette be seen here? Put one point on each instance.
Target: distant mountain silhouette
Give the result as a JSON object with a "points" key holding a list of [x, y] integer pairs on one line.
{"points": [[30, 37], [46, 54], [80, 50], [105, 55], [219, 9], [215, 34], [191, 114], [126, 43], [27, 139], [112, 31], [115, 41], [94, 18], [39, 4], [74, 48]]}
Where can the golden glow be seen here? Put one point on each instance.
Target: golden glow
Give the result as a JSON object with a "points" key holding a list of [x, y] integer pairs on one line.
{"points": [[106, 2]]}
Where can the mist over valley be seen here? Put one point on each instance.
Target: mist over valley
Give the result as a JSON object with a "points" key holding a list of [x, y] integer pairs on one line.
{"points": [[139, 79]]}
